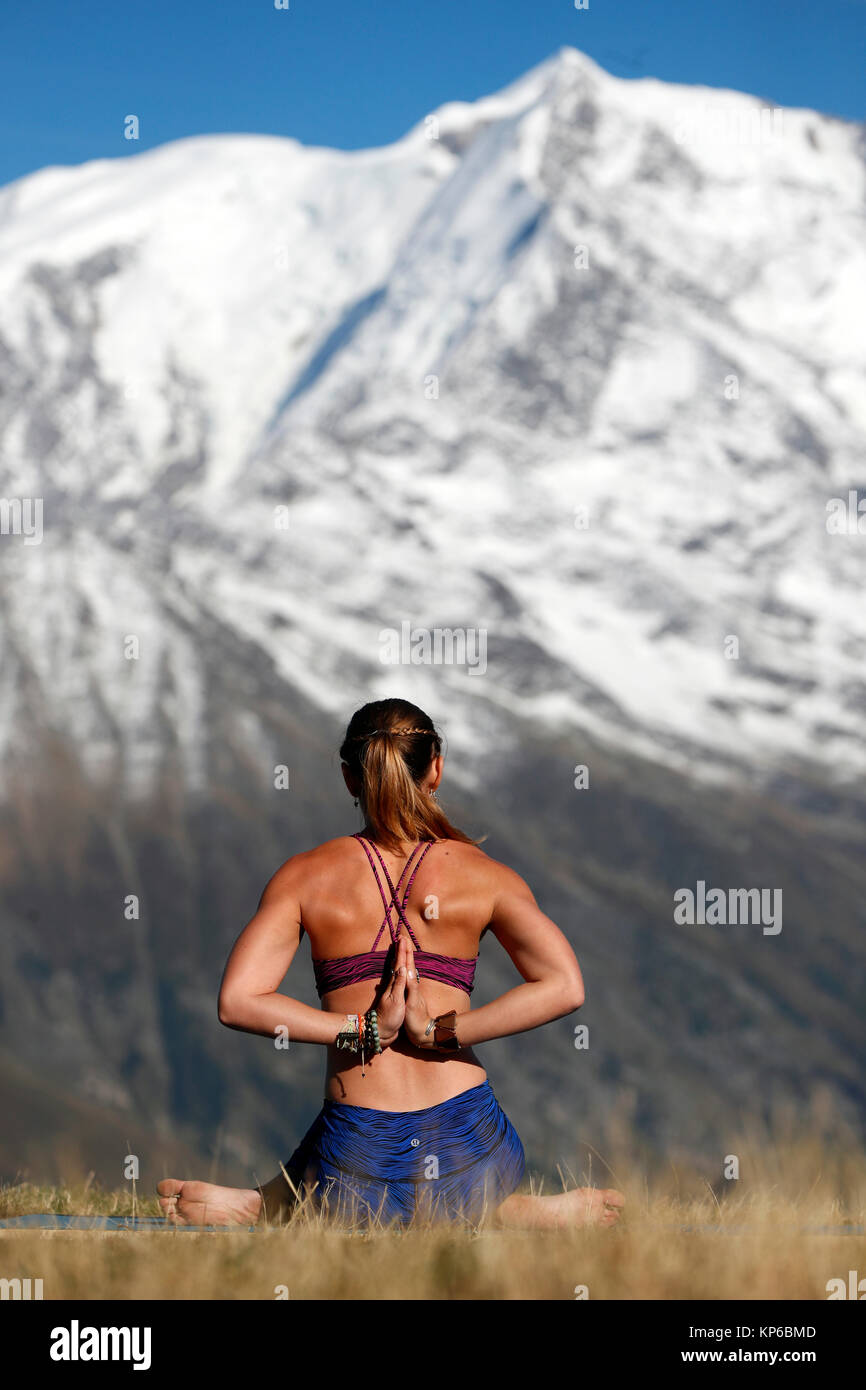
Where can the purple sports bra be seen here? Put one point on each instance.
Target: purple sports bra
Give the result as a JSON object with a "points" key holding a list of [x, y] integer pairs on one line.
{"points": [[370, 965]]}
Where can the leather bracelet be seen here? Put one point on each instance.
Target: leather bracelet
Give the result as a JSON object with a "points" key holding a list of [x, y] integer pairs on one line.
{"points": [[444, 1029]]}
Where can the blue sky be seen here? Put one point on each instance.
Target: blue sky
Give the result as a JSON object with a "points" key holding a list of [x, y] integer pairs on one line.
{"points": [[334, 72]]}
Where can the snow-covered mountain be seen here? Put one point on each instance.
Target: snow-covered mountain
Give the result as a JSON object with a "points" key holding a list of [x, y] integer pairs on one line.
{"points": [[578, 366], [573, 372]]}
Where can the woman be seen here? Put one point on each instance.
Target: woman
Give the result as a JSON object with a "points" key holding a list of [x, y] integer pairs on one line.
{"points": [[395, 915]]}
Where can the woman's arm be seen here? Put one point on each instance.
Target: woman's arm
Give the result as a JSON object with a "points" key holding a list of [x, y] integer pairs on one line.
{"points": [[542, 954], [260, 958]]}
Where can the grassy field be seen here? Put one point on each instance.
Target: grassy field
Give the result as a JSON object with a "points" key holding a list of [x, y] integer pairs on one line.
{"points": [[782, 1234]]}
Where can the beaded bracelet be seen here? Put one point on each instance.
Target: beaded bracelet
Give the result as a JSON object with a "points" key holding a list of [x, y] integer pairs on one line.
{"points": [[371, 1019], [361, 1034]]}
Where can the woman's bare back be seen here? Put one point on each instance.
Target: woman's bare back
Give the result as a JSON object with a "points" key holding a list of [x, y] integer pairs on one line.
{"points": [[448, 908]]}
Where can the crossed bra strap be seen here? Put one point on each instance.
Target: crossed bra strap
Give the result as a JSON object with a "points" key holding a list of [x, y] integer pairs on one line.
{"points": [[399, 905], [367, 965]]}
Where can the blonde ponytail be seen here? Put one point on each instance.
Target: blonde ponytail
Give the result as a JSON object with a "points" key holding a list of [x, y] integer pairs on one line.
{"points": [[389, 746]]}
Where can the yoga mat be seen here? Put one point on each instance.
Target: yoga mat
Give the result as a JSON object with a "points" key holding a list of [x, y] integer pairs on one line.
{"points": [[49, 1221]]}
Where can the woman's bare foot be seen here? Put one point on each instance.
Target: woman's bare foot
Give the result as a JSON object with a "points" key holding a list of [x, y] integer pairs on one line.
{"points": [[205, 1204], [582, 1206]]}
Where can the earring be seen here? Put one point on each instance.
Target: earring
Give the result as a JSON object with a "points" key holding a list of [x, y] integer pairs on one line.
{"points": [[356, 801]]}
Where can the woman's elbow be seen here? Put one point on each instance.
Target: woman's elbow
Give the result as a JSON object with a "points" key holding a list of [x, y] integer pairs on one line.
{"points": [[228, 1010], [573, 993]]}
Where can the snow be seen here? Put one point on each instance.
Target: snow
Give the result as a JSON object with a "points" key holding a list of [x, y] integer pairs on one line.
{"points": [[229, 323]]}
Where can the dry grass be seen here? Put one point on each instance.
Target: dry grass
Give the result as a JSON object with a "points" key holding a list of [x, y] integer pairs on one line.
{"points": [[780, 1234]]}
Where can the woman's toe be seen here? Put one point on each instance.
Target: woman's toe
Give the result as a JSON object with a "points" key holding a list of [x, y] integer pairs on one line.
{"points": [[170, 1187]]}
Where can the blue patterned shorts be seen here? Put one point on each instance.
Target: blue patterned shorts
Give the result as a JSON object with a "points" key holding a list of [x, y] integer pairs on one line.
{"points": [[449, 1162]]}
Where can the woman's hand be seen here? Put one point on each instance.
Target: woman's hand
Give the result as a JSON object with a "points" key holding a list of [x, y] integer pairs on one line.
{"points": [[391, 1008], [417, 1015]]}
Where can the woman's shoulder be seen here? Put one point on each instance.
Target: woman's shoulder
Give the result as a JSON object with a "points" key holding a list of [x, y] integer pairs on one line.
{"points": [[472, 859], [314, 859]]}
